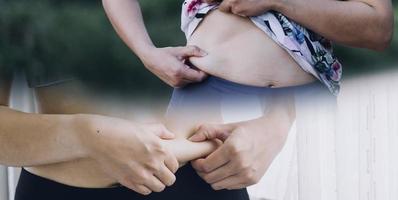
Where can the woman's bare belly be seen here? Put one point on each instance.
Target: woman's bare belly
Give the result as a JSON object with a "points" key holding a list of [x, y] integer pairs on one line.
{"points": [[73, 97], [240, 52]]}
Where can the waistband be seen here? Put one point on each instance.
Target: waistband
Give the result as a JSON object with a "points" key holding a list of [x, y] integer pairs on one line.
{"points": [[223, 84], [33, 179], [188, 185]]}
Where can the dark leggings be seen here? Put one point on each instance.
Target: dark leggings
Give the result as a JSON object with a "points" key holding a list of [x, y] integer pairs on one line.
{"points": [[189, 186]]}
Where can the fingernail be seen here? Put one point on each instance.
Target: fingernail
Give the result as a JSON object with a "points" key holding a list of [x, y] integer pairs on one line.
{"points": [[170, 135], [203, 53], [216, 187], [192, 138], [195, 138], [147, 192], [167, 135]]}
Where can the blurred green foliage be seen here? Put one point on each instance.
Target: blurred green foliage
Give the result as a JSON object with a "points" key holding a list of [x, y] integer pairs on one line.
{"points": [[47, 37], [74, 36]]}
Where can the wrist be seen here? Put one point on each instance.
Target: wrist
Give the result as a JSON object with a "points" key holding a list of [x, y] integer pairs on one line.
{"points": [[84, 126], [145, 53], [278, 124]]}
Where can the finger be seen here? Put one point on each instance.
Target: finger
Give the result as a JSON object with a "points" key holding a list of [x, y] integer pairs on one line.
{"points": [[232, 182], [137, 188], [143, 190], [197, 165], [203, 132], [193, 75], [171, 162], [191, 51], [215, 160], [212, 131], [166, 176], [183, 82], [220, 173], [161, 131], [155, 184], [237, 10], [236, 187], [225, 6]]}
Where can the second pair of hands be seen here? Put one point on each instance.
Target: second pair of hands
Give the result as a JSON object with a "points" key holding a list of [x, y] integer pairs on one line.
{"points": [[143, 157], [137, 155]]}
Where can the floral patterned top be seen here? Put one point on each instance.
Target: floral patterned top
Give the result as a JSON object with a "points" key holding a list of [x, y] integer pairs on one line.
{"points": [[311, 51]]}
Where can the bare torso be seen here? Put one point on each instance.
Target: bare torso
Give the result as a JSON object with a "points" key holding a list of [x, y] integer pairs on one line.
{"points": [[238, 51]]}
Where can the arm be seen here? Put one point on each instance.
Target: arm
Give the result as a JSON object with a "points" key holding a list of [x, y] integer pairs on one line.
{"points": [[167, 63], [33, 139], [358, 23], [36, 139], [126, 18], [130, 153]]}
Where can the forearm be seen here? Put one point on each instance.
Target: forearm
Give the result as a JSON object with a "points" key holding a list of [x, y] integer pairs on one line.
{"points": [[355, 23], [126, 18], [279, 114], [166, 63], [35, 139], [281, 105]]}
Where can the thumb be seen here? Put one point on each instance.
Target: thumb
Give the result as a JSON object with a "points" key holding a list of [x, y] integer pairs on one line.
{"points": [[212, 131], [192, 51], [161, 131], [225, 6]]}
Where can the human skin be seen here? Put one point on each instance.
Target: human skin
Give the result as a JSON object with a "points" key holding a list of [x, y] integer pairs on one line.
{"points": [[175, 53], [88, 169], [91, 150], [237, 51], [126, 18], [240, 52], [336, 20], [41, 139], [248, 148], [167, 63], [62, 146], [234, 165]]}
